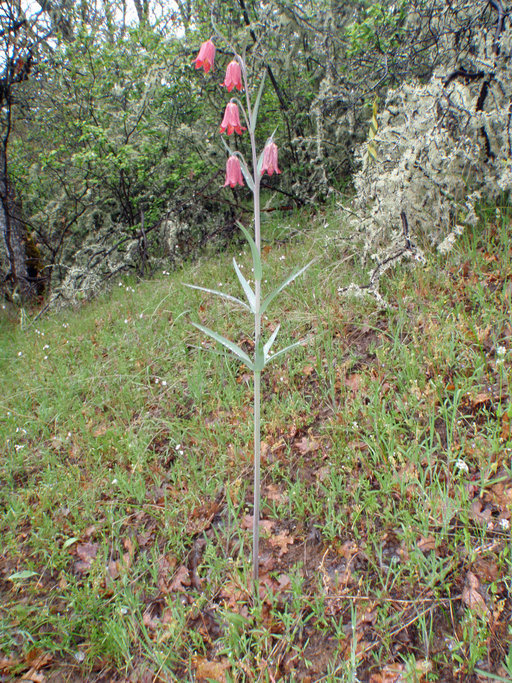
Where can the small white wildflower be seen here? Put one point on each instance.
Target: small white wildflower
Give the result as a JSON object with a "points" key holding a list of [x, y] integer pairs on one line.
{"points": [[18, 447], [45, 358], [141, 315], [164, 383], [119, 284], [124, 610], [46, 346], [462, 466], [505, 524], [178, 446], [20, 353], [157, 381], [114, 482], [501, 351], [125, 320], [281, 258]]}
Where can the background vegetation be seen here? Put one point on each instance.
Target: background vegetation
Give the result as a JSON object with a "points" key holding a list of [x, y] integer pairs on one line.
{"points": [[125, 492]]}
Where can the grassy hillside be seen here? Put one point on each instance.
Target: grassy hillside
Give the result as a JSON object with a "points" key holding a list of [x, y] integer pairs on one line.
{"points": [[125, 477]]}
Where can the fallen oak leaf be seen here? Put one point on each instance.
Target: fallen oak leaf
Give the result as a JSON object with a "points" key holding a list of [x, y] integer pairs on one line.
{"points": [[207, 670], [265, 524], [181, 580], [306, 445], [282, 541], [472, 597]]}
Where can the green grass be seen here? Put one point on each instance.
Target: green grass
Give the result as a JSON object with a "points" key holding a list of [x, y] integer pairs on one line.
{"points": [[126, 475]]}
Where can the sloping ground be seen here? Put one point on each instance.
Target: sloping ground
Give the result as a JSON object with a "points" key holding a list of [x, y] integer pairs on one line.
{"points": [[126, 481]]}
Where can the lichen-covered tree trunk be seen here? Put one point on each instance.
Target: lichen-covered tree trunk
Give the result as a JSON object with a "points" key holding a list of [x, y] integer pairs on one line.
{"points": [[13, 261]]}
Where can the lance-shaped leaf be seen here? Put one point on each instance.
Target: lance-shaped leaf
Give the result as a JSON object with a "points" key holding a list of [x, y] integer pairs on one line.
{"points": [[268, 345], [256, 258], [246, 287], [235, 350], [221, 294], [270, 297], [287, 348], [256, 107]]}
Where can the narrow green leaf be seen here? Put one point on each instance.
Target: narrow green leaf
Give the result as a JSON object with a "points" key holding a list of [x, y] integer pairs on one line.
{"points": [[221, 294], [69, 542], [256, 258], [236, 350], [20, 576], [282, 351], [257, 102], [246, 286], [226, 146], [268, 345], [372, 151], [247, 175], [270, 297]]}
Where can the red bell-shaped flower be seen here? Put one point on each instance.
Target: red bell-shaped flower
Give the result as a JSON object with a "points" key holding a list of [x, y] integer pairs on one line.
{"points": [[233, 172], [231, 120], [233, 78], [270, 159], [206, 56]]}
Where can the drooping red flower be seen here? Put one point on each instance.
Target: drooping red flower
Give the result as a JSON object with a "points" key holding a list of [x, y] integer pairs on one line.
{"points": [[231, 120], [233, 172], [270, 159], [233, 77], [206, 56]]}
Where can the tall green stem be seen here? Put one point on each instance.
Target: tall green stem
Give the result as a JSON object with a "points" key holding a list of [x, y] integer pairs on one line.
{"points": [[257, 458], [257, 380]]}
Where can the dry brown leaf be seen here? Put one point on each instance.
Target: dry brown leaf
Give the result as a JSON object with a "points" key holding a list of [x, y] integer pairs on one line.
{"points": [[100, 431], [265, 524], [32, 676], [348, 549], [323, 473], [274, 493], [87, 551], [307, 445], [482, 516], [181, 580], [284, 582], [426, 544], [353, 382], [503, 493], [210, 670], [472, 597], [481, 399], [282, 541], [505, 427]]}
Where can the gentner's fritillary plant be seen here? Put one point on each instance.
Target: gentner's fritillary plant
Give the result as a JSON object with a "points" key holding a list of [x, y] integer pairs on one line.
{"points": [[238, 170]]}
